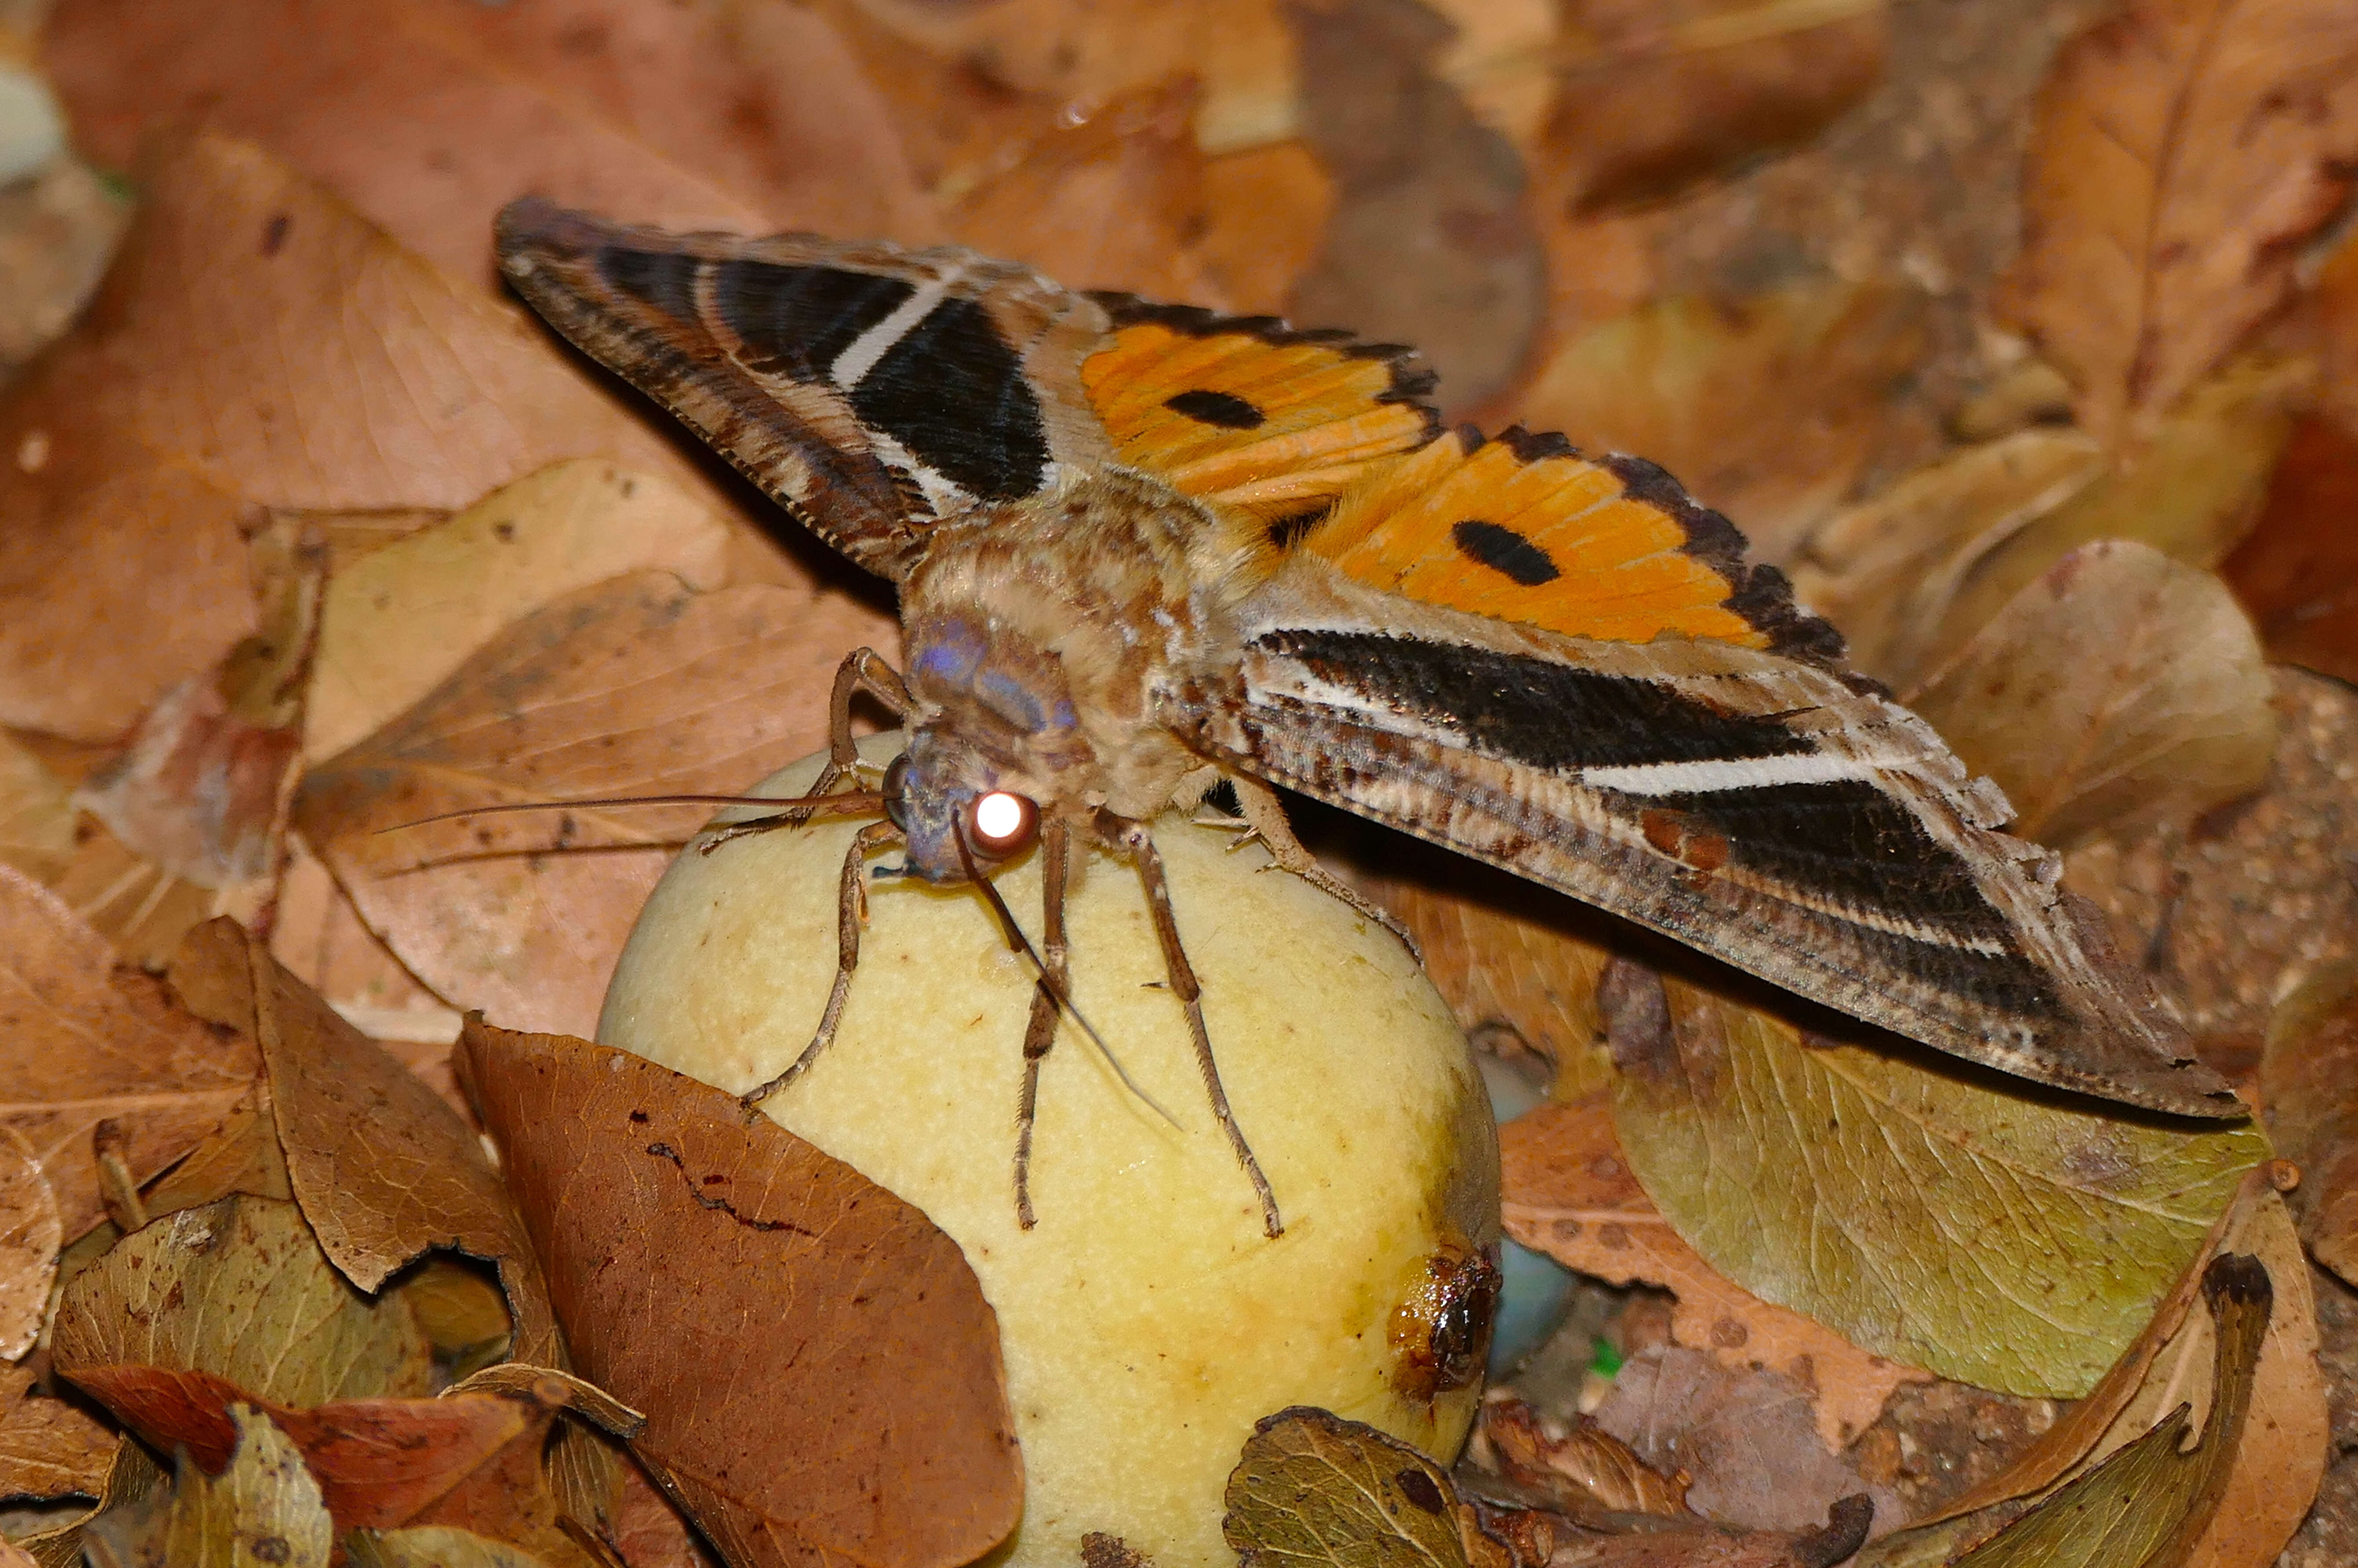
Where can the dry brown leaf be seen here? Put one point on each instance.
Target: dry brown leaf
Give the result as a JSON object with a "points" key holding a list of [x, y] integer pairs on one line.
{"points": [[1584, 1471], [1765, 407], [733, 116], [464, 1314], [2190, 493], [259, 345], [2297, 571], [1744, 1440], [649, 1530], [635, 686], [383, 1169], [319, 935], [1265, 215], [239, 1289], [1651, 99], [49, 1448], [31, 1232], [1431, 243], [1111, 197], [241, 1155], [2229, 915], [2119, 689], [89, 1045], [2308, 1089], [397, 621], [264, 1507], [130, 1477], [2184, 148], [870, 1422], [1885, 570], [1569, 1193]]}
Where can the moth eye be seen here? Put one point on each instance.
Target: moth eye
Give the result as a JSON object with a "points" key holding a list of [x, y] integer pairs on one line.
{"points": [[896, 780], [1001, 822]]}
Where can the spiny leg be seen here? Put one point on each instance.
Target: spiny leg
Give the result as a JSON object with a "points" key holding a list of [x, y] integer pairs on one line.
{"points": [[1265, 814], [1132, 839], [1039, 1033], [851, 913], [863, 669]]}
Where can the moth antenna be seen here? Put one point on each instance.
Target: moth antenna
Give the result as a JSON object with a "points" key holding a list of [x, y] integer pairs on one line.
{"points": [[1021, 944], [841, 801]]}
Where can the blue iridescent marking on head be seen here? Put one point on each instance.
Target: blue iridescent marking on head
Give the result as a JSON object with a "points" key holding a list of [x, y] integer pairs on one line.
{"points": [[952, 656], [1011, 699]]}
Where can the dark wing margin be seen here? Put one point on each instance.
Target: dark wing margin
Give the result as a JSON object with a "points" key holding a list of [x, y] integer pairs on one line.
{"points": [[1760, 809], [870, 390]]}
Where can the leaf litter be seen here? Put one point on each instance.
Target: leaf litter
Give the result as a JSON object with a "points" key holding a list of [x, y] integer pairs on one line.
{"points": [[1938, 444]]}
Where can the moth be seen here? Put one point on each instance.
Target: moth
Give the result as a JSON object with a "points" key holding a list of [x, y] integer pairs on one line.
{"points": [[1141, 548]]}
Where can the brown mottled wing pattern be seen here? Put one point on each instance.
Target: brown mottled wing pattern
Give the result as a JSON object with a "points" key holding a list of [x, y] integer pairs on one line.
{"points": [[869, 389], [1771, 811]]}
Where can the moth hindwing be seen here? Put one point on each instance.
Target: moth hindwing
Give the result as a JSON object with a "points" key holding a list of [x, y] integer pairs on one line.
{"points": [[1134, 540]]}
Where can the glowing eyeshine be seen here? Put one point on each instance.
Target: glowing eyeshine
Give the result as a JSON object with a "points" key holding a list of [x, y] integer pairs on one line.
{"points": [[1003, 820]]}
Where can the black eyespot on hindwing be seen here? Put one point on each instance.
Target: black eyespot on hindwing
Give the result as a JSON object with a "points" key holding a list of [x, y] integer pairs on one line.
{"points": [[1225, 409], [1505, 551]]}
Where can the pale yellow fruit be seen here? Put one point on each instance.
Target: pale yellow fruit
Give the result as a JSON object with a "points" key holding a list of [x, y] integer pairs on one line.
{"points": [[1146, 1321]]}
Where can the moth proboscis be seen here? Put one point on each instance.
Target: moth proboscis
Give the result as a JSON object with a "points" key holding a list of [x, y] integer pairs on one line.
{"points": [[1141, 548]]}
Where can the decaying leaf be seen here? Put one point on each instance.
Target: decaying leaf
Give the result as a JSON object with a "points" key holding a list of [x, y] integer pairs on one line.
{"points": [[399, 619], [636, 686], [49, 1448], [1744, 1440], [1429, 242], [1266, 213], [1885, 570], [1920, 1210], [2297, 571], [382, 1168], [242, 1155], [701, 1265], [264, 1509], [2183, 149], [2119, 689], [464, 1316], [129, 1478], [1314, 1490], [2309, 1086], [239, 1289], [1651, 99], [437, 1546], [31, 1231], [89, 1045], [319, 935], [37, 814], [1585, 1470], [1762, 406], [258, 345], [2230, 915], [649, 1531], [1570, 1192]]}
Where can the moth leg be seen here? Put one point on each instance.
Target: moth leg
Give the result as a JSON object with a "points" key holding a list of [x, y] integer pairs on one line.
{"points": [[1265, 814], [850, 914], [1039, 1033], [863, 669], [1132, 839]]}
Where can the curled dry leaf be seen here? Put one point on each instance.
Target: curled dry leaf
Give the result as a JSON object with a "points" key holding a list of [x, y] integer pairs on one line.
{"points": [[49, 1448], [1929, 1215], [90, 1045], [1570, 1192], [1587, 1471], [239, 1289], [1311, 1489], [264, 1509], [638, 686], [1429, 242], [2297, 571], [2183, 148], [2308, 1088], [129, 1480], [242, 1155], [1885, 570], [1651, 100], [2146, 671], [1763, 406], [743, 117], [258, 344], [2230, 915], [398, 620], [381, 1166], [1742, 1439], [703, 1268], [31, 1232]]}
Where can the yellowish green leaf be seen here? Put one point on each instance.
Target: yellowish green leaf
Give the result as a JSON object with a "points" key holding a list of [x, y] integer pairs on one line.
{"points": [[1314, 1490], [265, 1509], [1992, 1235]]}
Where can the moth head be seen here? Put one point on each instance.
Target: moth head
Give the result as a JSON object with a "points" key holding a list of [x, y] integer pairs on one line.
{"points": [[950, 807]]}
